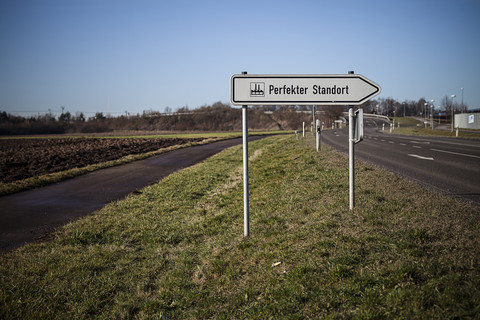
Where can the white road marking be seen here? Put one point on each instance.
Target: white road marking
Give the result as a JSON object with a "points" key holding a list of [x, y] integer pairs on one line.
{"points": [[456, 153], [420, 157], [391, 142], [402, 144], [418, 147]]}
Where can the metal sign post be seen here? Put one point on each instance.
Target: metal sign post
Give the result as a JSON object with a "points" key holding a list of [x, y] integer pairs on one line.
{"points": [[351, 161], [355, 135], [246, 211]]}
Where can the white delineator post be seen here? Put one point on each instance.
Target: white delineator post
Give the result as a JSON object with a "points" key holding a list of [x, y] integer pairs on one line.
{"points": [[246, 213]]}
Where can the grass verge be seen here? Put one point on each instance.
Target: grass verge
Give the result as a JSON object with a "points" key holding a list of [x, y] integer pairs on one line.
{"points": [[428, 132], [177, 251], [40, 181], [411, 126]]}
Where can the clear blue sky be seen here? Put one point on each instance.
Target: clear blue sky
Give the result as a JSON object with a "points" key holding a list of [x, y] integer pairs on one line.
{"points": [[114, 56]]}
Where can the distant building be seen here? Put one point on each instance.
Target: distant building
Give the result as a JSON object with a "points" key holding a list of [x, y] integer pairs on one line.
{"points": [[467, 120]]}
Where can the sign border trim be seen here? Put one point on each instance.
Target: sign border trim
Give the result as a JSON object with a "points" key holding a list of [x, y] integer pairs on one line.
{"points": [[308, 102]]}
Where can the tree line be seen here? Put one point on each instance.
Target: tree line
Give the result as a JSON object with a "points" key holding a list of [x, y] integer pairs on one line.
{"points": [[411, 108], [215, 117]]}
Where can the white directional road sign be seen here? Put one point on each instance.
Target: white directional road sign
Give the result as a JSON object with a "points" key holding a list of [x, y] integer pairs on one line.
{"points": [[338, 89]]}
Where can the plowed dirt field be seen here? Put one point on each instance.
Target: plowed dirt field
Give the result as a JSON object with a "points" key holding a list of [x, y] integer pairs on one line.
{"points": [[25, 158]]}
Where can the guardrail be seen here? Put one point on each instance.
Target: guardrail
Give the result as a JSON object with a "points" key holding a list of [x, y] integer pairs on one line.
{"points": [[371, 115]]}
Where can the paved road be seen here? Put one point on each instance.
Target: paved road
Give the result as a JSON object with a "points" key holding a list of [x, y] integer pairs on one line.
{"points": [[31, 214], [450, 165]]}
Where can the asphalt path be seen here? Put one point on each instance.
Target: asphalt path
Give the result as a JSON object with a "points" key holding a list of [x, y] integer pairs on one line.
{"points": [[448, 165], [30, 215]]}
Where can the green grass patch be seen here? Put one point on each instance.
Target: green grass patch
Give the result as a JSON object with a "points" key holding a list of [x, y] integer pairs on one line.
{"points": [[428, 132], [206, 135], [414, 127], [40, 181], [409, 121], [176, 250]]}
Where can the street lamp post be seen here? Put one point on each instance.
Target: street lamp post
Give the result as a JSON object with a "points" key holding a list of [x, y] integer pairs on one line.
{"points": [[431, 113], [463, 108], [431, 116], [453, 120]]}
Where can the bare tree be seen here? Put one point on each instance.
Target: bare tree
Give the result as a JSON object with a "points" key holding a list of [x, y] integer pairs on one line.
{"points": [[420, 107], [447, 103], [331, 113]]}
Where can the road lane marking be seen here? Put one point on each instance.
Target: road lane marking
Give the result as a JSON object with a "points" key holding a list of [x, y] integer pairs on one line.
{"points": [[420, 157], [456, 153], [391, 142], [418, 147], [402, 144]]}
